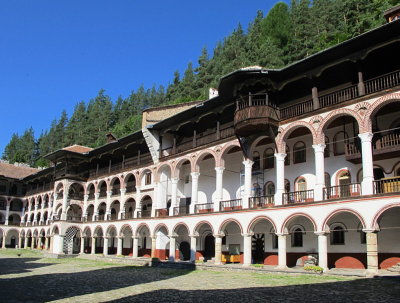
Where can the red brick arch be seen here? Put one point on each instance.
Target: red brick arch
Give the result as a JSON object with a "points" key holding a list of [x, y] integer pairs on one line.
{"points": [[287, 220], [177, 165], [201, 156], [226, 149], [325, 226], [198, 225], [334, 115], [160, 168], [255, 220], [226, 222], [376, 106], [374, 222], [282, 137]]}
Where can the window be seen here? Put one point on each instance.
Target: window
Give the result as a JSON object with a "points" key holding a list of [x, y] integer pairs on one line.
{"points": [[287, 158], [269, 189], [339, 142], [256, 160], [337, 235], [297, 237], [147, 178], [269, 161], [301, 184], [299, 152], [327, 149]]}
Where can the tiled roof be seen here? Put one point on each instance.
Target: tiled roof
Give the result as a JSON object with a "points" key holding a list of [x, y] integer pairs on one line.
{"points": [[16, 171], [78, 149]]}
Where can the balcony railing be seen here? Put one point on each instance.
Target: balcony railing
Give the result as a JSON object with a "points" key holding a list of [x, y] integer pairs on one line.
{"points": [[74, 218], [338, 96], [103, 193], [115, 192], [387, 185], [162, 213], [261, 201], [231, 204], [76, 196], [127, 215], [342, 191], [302, 196], [130, 189], [144, 214], [296, 109], [99, 217], [112, 217], [181, 210], [204, 208], [382, 82]]}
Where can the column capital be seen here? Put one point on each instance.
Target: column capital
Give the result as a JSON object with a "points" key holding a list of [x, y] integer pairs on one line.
{"points": [[174, 180], [248, 163], [370, 230], [122, 191], [219, 169], [135, 237], [280, 156], [281, 234], [194, 235], [219, 235], [109, 193], [247, 234], [366, 137], [321, 233], [96, 195], [319, 148], [195, 174]]}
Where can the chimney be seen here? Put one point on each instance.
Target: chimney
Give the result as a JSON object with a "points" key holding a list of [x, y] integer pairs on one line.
{"points": [[212, 92], [392, 14], [110, 138]]}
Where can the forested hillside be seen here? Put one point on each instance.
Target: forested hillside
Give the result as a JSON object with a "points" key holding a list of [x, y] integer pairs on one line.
{"points": [[286, 34]]}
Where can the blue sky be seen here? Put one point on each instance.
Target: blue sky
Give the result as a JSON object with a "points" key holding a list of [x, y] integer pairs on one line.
{"points": [[54, 54]]}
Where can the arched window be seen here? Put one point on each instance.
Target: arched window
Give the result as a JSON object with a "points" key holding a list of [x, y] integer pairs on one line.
{"points": [[301, 184], [297, 237], [256, 160], [269, 189], [327, 149], [299, 152], [337, 235], [269, 161], [287, 158], [147, 178], [339, 141]]}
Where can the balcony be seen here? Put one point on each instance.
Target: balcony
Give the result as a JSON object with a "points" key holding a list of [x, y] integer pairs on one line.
{"points": [[302, 196], [342, 191], [99, 218], [162, 213], [261, 201], [127, 215], [115, 192], [144, 214], [76, 196], [74, 218], [181, 210], [255, 113], [204, 208], [130, 189], [229, 205], [385, 146], [387, 185]]}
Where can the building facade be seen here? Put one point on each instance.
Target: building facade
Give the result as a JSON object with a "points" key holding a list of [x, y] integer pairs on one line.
{"points": [[280, 168]]}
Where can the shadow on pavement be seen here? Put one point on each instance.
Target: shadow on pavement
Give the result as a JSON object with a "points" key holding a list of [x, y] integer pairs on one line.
{"points": [[19, 265]]}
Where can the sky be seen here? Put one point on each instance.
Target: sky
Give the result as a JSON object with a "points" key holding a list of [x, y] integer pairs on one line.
{"points": [[54, 54]]}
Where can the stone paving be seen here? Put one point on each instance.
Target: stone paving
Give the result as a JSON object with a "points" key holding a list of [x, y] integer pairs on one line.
{"points": [[32, 278]]}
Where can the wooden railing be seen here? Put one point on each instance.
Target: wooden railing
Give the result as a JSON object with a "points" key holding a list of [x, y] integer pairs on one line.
{"points": [[230, 204], [382, 82], [387, 185], [161, 213], [128, 215], [342, 191], [181, 210], [76, 196], [384, 142], [74, 218], [338, 96], [253, 100], [296, 110], [115, 192], [103, 193], [99, 218], [204, 208], [261, 201], [144, 214], [302, 196], [131, 189]]}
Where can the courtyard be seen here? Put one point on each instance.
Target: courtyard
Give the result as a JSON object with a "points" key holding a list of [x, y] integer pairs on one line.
{"points": [[28, 277]]}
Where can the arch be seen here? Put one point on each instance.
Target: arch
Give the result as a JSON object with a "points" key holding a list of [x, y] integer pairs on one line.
{"points": [[226, 222], [124, 228], [88, 189], [198, 225], [160, 168], [226, 149], [142, 174], [140, 227], [97, 230], [110, 229], [178, 165], [375, 107], [159, 226], [292, 216], [129, 184], [325, 226], [334, 115], [257, 219], [87, 232], [201, 156], [177, 225], [282, 138], [379, 213]]}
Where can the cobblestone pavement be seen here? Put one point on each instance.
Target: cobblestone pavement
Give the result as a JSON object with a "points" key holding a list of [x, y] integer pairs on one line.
{"points": [[30, 278]]}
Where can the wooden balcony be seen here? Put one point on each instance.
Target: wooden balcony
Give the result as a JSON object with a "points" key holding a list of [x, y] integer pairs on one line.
{"points": [[387, 185], [204, 208], [144, 214], [162, 213], [261, 201], [342, 191], [302, 196], [384, 147], [255, 113], [229, 205], [181, 210]]}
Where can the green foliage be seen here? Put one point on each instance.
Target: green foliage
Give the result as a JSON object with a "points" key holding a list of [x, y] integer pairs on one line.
{"points": [[314, 268], [286, 34]]}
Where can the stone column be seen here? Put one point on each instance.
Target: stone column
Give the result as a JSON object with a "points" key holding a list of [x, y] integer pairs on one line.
{"points": [[19, 242], [322, 250], [105, 246], [119, 246], [174, 195], [135, 252], [319, 171], [93, 248], [367, 164], [46, 243], [7, 214], [108, 207], [64, 205], [372, 252], [248, 164], [247, 249], [153, 246], [281, 251], [96, 206], [122, 204], [23, 215], [280, 178], [36, 213], [193, 248], [4, 241], [26, 242], [218, 249], [195, 189], [82, 250], [218, 187], [85, 204], [137, 204], [172, 248]]}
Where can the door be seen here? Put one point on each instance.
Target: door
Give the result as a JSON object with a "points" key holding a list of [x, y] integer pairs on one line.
{"points": [[209, 247]]}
